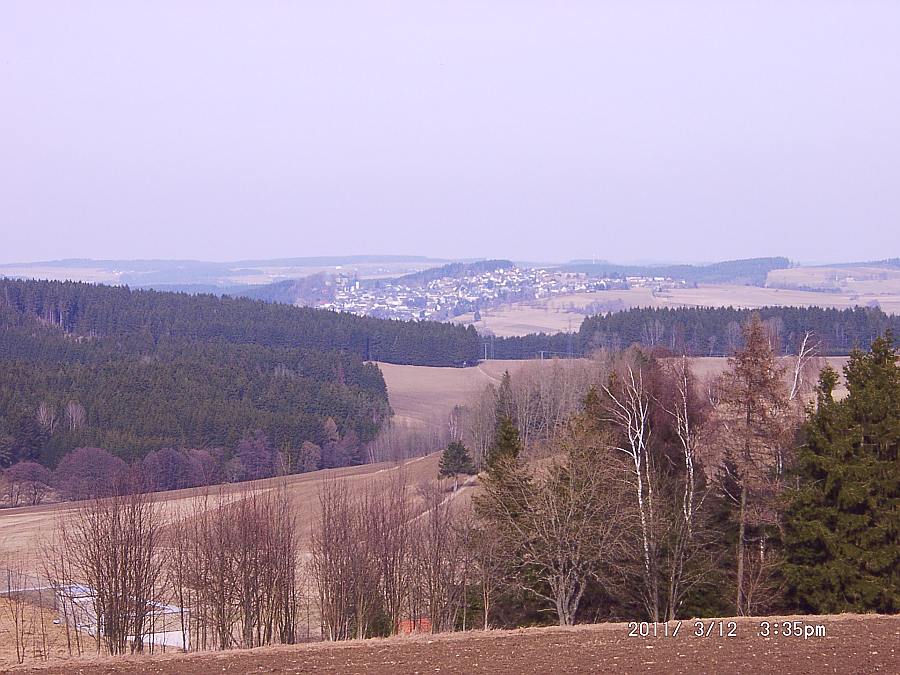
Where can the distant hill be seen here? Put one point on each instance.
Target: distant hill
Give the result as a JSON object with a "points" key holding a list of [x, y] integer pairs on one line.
{"points": [[454, 271], [216, 276], [751, 271]]}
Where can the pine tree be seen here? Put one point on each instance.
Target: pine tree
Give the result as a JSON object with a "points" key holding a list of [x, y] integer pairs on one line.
{"points": [[506, 445], [455, 461], [504, 399], [842, 526]]}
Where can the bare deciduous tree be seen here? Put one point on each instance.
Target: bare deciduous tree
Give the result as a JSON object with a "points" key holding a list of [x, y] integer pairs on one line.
{"points": [[560, 526], [628, 407]]}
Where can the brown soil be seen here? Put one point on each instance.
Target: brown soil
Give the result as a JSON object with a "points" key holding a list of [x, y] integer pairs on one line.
{"points": [[852, 644]]}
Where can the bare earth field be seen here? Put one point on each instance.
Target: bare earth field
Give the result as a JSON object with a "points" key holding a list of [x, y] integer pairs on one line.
{"points": [[22, 530], [862, 279], [425, 395], [852, 644]]}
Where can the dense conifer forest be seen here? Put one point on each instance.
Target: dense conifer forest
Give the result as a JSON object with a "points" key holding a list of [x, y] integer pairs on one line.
{"points": [[145, 318], [134, 371]]}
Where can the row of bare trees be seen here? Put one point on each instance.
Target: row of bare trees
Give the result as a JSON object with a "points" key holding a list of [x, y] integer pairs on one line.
{"points": [[539, 401], [388, 559], [233, 570], [218, 573]]}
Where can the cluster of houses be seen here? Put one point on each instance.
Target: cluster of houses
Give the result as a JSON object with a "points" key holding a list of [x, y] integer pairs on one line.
{"points": [[447, 297]]}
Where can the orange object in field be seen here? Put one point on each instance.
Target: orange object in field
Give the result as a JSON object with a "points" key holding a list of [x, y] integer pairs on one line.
{"points": [[409, 626]]}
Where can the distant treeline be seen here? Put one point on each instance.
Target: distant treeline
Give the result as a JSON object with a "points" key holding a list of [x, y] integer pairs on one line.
{"points": [[704, 331], [751, 271]]}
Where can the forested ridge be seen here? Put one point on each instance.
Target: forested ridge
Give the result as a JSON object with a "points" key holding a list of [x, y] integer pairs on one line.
{"points": [[751, 271], [145, 317], [707, 331], [135, 371]]}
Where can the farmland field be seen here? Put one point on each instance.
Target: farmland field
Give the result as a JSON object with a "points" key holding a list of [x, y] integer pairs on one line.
{"points": [[850, 287], [22, 529], [425, 395], [422, 395], [851, 644]]}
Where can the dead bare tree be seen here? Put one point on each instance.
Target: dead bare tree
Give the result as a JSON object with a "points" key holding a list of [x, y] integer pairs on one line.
{"points": [[233, 569], [16, 606], [753, 430], [490, 566], [440, 556], [332, 560], [393, 545]]}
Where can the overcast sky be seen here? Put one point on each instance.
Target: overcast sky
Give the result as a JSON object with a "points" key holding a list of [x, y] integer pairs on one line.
{"points": [[547, 130]]}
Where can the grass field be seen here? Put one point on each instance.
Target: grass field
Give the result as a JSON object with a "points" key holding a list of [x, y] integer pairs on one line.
{"points": [[861, 279]]}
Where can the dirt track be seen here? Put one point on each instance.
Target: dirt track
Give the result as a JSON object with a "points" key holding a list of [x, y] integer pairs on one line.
{"points": [[852, 644]]}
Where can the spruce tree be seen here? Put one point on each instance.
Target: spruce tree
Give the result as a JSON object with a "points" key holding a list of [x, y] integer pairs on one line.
{"points": [[506, 445], [843, 520], [455, 461]]}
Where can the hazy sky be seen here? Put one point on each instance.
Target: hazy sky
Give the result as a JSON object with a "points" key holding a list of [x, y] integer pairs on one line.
{"points": [[532, 130]]}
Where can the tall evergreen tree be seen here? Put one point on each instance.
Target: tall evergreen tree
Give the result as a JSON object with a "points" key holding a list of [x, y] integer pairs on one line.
{"points": [[843, 520], [506, 445], [456, 460]]}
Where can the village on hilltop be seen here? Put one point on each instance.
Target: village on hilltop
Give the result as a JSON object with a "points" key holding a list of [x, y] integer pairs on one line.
{"points": [[450, 296]]}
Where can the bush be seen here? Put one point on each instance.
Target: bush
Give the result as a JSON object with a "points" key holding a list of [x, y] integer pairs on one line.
{"points": [[90, 472], [26, 482]]}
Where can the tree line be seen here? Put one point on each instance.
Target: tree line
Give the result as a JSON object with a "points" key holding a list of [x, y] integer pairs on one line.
{"points": [[706, 331], [661, 496], [106, 368]]}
